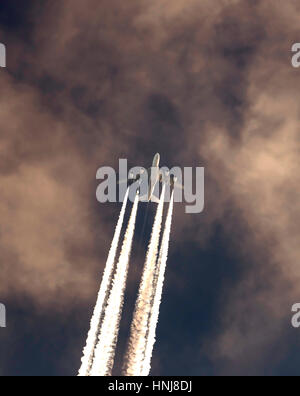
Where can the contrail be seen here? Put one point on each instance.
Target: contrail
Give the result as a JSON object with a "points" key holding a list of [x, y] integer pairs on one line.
{"points": [[139, 327], [161, 268], [98, 315], [105, 350]]}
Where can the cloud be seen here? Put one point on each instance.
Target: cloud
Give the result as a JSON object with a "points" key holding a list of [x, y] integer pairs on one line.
{"points": [[204, 84], [260, 173]]}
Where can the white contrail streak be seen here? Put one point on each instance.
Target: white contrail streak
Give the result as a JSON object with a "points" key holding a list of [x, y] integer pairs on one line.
{"points": [[97, 318], [139, 327], [105, 350], [161, 267]]}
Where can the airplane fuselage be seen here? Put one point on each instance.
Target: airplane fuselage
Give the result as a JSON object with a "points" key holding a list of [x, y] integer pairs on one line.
{"points": [[154, 175]]}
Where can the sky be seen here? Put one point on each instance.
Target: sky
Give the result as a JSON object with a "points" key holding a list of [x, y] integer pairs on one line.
{"points": [[204, 83]]}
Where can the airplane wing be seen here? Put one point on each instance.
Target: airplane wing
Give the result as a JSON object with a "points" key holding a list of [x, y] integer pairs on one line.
{"points": [[154, 199], [178, 185], [122, 181], [144, 198]]}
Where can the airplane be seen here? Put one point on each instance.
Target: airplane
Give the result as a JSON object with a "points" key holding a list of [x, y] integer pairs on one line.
{"points": [[155, 175]]}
